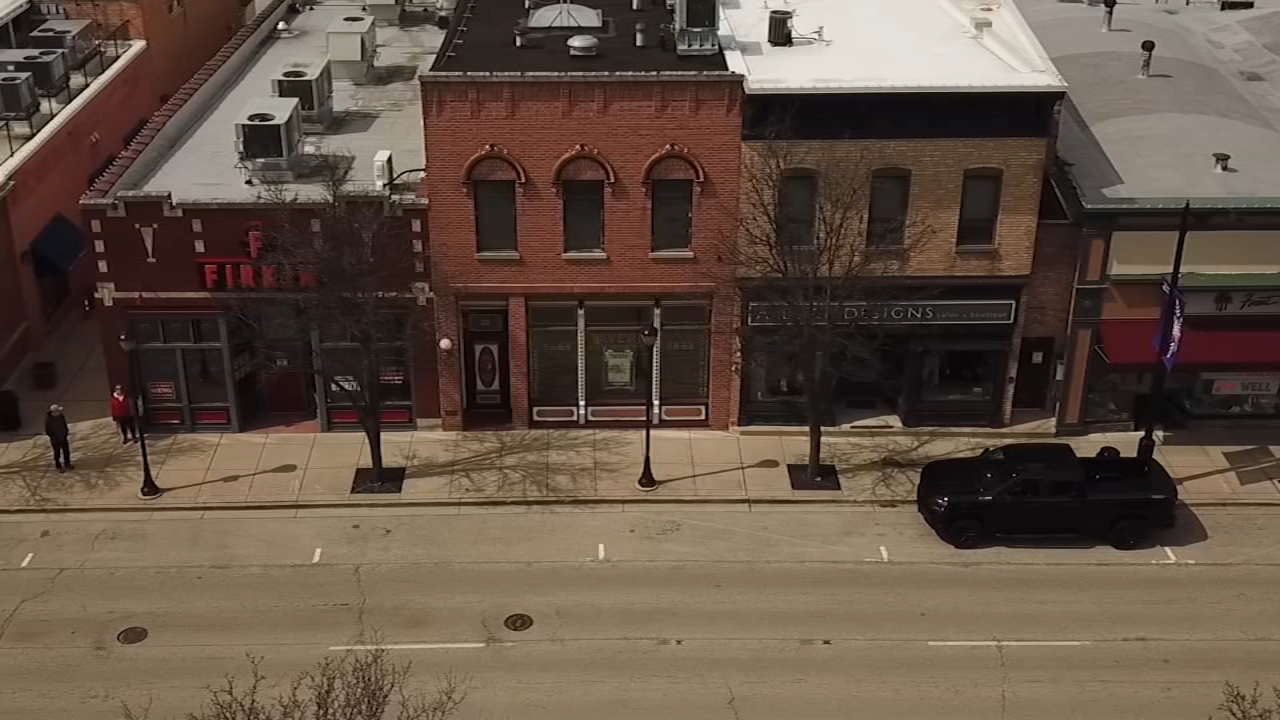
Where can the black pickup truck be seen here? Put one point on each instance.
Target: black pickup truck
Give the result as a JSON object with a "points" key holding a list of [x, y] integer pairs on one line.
{"points": [[1046, 489]]}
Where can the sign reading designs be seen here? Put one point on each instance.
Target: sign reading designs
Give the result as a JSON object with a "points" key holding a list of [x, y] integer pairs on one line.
{"points": [[1234, 302], [937, 312]]}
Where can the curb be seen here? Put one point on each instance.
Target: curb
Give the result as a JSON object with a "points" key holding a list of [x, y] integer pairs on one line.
{"points": [[462, 505]]}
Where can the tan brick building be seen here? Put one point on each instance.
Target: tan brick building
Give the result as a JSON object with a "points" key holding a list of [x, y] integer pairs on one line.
{"points": [[577, 199]]}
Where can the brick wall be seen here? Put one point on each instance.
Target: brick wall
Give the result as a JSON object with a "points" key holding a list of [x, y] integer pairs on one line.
{"points": [[937, 172], [1048, 295], [538, 122]]}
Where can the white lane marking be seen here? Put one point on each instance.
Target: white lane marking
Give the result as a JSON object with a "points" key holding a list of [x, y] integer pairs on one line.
{"points": [[315, 556], [884, 553], [27, 560], [1172, 557], [1007, 643], [600, 551], [420, 646]]}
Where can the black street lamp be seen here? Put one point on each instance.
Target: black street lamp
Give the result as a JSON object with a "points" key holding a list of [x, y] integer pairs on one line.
{"points": [[149, 489], [1154, 405], [647, 482]]}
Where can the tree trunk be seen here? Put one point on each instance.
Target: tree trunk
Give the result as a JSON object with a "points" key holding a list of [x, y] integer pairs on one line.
{"points": [[815, 414], [373, 411]]}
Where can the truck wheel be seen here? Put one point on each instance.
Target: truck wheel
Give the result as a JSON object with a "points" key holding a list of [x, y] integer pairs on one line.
{"points": [[965, 534], [1130, 533]]}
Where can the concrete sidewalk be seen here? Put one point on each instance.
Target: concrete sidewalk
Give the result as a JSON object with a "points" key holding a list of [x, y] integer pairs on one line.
{"points": [[292, 470]]}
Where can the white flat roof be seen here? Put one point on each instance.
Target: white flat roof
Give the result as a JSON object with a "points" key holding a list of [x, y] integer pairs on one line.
{"points": [[886, 46]]}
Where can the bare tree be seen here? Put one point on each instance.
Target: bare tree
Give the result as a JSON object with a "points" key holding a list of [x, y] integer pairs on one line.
{"points": [[343, 266], [357, 685], [1253, 704], [815, 258]]}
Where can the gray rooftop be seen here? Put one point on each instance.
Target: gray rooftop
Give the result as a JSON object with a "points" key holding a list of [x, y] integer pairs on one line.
{"points": [[1214, 88], [384, 113]]}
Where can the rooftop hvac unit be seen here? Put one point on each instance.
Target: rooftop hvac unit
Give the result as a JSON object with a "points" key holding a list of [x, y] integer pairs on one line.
{"points": [[268, 133], [311, 83], [384, 170], [74, 36], [18, 99], [352, 41], [696, 26], [47, 67], [385, 12]]}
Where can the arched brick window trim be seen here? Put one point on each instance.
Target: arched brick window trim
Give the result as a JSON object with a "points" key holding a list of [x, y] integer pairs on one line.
{"points": [[493, 162], [674, 162], [584, 162]]}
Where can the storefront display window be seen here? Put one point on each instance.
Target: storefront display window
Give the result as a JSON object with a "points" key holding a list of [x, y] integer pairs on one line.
{"points": [[958, 375], [1112, 395], [1226, 394], [684, 344], [777, 375], [553, 354], [206, 381], [615, 353], [344, 368], [183, 367]]}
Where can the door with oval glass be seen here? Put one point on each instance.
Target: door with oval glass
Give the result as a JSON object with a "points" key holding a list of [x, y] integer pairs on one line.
{"points": [[486, 364]]}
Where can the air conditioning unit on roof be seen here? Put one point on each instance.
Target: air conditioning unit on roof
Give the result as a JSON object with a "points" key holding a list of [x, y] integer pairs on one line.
{"points": [[47, 67], [74, 36], [268, 135], [353, 42], [18, 100], [311, 83]]}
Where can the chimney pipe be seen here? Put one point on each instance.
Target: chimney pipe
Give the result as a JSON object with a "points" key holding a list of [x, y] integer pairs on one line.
{"points": [[1148, 47], [637, 5], [640, 36], [1221, 162], [1107, 13]]}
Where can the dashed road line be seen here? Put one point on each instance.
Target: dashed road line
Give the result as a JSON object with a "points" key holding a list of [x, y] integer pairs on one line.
{"points": [[600, 552], [27, 560], [315, 556], [1007, 643]]}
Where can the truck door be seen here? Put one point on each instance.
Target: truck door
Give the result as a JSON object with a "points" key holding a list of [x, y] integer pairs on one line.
{"points": [[1061, 505]]}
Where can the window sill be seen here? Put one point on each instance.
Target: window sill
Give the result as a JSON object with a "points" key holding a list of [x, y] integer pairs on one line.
{"points": [[671, 255], [585, 255], [498, 255], [976, 249]]}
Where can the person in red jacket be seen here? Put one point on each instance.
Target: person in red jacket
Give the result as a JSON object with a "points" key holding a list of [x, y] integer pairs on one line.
{"points": [[122, 414]]}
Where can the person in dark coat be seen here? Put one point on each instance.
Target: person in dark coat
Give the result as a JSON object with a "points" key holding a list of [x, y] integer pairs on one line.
{"points": [[55, 426]]}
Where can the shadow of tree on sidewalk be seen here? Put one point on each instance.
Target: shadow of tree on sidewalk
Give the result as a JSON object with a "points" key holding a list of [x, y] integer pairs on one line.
{"points": [[887, 467], [550, 463]]}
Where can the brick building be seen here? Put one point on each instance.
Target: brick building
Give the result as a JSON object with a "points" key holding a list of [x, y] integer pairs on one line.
{"points": [[582, 172], [952, 142], [177, 223], [107, 66], [1192, 124]]}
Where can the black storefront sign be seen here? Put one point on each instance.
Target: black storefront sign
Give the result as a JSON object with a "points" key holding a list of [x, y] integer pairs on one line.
{"points": [[937, 312]]}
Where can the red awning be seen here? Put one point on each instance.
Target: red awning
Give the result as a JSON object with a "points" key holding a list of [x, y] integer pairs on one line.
{"points": [[1133, 342]]}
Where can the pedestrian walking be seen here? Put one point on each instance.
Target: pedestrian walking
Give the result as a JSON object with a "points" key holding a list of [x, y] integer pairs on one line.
{"points": [[55, 426], [122, 414]]}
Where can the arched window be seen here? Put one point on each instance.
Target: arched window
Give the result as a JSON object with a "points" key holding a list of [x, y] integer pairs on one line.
{"points": [[493, 177], [887, 208], [582, 176], [979, 207], [671, 177]]}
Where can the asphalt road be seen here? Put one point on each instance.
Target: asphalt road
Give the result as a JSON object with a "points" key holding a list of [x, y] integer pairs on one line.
{"points": [[678, 615]]}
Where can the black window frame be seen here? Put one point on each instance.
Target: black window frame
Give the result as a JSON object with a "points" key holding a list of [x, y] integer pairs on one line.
{"points": [[887, 219], [576, 196], [800, 231], [978, 220], [671, 214], [494, 203]]}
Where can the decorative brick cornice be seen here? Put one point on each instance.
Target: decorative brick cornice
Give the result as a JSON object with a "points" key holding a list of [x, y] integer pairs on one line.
{"points": [[105, 182]]}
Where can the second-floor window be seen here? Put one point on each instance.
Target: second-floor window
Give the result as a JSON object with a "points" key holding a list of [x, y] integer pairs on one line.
{"points": [[583, 215], [797, 208], [495, 205], [887, 210], [979, 207], [672, 214]]}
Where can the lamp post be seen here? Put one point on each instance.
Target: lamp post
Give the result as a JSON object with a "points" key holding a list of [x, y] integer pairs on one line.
{"points": [[1154, 406], [647, 482], [149, 489]]}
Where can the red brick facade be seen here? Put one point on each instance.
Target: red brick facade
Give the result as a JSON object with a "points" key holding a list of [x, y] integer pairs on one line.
{"points": [[538, 124]]}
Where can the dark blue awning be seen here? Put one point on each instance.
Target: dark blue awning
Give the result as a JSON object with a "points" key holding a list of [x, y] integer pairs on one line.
{"points": [[58, 245]]}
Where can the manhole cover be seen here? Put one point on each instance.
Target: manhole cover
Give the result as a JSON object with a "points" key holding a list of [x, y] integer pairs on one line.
{"points": [[132, 635], [518, 622]]}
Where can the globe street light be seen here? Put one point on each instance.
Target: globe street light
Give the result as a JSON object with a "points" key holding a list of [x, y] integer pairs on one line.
{"points": [[149, 489], [647, 482]]}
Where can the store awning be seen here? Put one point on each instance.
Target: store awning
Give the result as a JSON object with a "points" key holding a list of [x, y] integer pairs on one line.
{"points": [[58, 246], [1133, 342]]}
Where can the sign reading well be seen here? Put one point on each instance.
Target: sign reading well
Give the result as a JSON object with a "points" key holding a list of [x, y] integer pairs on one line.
{"points": [[938, 312]]}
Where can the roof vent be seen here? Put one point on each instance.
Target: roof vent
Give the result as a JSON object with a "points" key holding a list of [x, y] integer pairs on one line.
{"points": [[583, 45], [697, 25], [641, 41], [1221, 162], [566, 15], [1148, 47], [980, 25], [780, 28]]}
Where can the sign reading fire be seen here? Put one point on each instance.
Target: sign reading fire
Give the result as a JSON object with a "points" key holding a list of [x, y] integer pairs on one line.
{"points": [[248, 273]]}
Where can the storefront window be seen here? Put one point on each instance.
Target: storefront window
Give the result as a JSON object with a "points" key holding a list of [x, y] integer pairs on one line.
{"points": [[616, 362], [958, 375], [393, 380], [1112, 395], [161, 382], [553, 354], [684, 347], [343, 370], [1226, 394], [776, 374], [206, 381]]}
